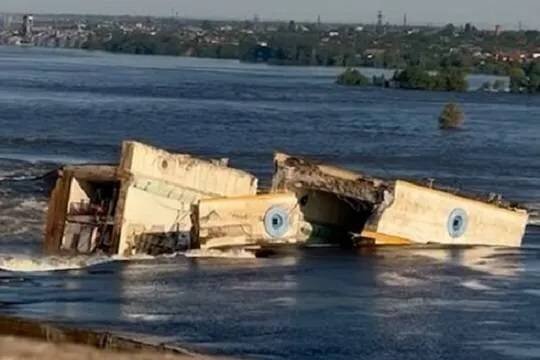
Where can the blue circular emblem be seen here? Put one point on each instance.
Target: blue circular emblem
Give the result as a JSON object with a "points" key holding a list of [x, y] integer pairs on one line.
{"points": [[276, 222], [457, 223]]}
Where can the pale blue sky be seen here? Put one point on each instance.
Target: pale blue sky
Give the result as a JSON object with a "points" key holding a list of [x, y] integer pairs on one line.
{"points": [[506, 12]]}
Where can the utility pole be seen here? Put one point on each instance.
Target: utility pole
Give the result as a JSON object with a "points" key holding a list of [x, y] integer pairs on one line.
{"points": [[379, 22]]}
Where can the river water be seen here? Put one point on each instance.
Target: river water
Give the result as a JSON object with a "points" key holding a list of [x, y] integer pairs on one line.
{"points": [[414, 303]]}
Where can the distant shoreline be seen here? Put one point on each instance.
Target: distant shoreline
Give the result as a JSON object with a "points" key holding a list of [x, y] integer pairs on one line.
{"points": [[476, 80], [231, 60]]}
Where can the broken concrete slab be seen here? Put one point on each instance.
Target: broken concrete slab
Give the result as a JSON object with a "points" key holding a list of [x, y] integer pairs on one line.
{"points": [[400, 212], [156, 202], [264, 220], [159, 190], [141, 206], [425, 215]]}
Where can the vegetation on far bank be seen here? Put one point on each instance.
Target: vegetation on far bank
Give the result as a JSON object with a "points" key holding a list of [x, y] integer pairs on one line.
{"points": [[431, 59], [352, 77], [447, 79], [525, 79], [430, 48], [412, 77]]}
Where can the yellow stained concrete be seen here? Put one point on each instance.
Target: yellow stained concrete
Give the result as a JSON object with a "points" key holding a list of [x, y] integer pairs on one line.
{"points": [[206, 177], [164, 186], [240, 221], [421, 215], [16, 348], [384, 240]]}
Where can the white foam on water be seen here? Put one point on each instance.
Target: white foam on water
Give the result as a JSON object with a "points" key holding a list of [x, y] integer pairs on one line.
{"points": [[535, 292], [33, 204], [149, 317], [493, 261], [173, 255], [28, 264], [284, 301], [36, 264], [395, 279], [34, 158], [476, 285], [22, 216], [18, 178], [136, 257], [221, 254]]}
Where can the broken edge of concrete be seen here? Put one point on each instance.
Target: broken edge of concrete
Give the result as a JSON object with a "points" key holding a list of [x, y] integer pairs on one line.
{"points": [[141, 206], [157, 202], [401, 212]]}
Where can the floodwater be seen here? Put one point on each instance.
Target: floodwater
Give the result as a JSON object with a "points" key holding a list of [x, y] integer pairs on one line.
{"points": [[408, 303]]}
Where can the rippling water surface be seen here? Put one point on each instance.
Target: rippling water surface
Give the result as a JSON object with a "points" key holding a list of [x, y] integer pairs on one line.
{"points": [[74, 107]]}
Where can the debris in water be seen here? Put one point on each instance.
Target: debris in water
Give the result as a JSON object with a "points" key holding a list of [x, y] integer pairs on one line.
{"points": [[26, 264], [155, 202], [221, 254]]}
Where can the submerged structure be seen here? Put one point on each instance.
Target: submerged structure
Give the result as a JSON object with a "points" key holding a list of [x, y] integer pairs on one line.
{"points": [[142, 205], [156, 202], [402, 212]]}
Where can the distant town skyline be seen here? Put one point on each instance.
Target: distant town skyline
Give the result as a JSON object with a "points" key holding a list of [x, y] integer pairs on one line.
{"points": [[482, 12]]}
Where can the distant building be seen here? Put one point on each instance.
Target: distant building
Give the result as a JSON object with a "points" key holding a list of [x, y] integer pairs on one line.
{"points": [[7, 20], [380, 26], [27, 26]]}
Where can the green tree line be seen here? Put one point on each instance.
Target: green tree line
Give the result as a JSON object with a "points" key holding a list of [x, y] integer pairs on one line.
{"points": [[412, 78]]}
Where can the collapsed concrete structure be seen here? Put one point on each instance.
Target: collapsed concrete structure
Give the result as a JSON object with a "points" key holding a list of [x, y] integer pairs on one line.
{"points": [[143, 205], [156, 202], [401, 212]]}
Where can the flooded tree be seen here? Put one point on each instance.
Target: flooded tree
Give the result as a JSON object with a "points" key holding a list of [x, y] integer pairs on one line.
{"points": [[451, 117], [352, 77]]}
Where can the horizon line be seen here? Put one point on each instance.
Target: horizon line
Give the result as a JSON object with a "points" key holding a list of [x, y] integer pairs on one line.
{"points": [[480, 25]]}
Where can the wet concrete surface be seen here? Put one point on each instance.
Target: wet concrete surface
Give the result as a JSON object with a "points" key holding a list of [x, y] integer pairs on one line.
{"points": [[16, 348]]}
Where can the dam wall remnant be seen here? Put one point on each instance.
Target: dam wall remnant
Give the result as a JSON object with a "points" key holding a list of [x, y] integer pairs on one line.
{"points": [[155, 202]]}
